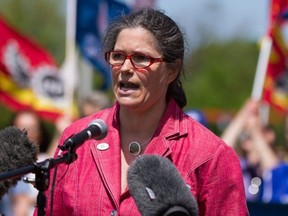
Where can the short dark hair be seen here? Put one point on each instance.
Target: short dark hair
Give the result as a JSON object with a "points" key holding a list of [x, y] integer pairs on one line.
{"points": [[167, 33]]}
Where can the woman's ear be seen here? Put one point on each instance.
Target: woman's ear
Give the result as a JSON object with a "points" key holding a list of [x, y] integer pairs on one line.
{"points": [[173, 70]]}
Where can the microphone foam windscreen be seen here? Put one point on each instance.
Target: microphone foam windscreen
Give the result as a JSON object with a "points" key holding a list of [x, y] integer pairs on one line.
{"points": [[158, 188], [16, 151]]}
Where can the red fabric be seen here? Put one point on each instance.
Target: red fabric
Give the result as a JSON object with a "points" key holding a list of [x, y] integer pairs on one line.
{"points": [[91, 184], [34, 52], [276, 82], [21, 61], [276, 8]]}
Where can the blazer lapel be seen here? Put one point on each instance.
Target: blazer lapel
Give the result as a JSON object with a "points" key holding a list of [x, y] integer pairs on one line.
{"points": [[107, 158]]}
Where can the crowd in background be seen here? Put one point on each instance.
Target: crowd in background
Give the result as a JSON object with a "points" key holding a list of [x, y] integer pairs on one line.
{"points": [[263, 163], [262, 158]]}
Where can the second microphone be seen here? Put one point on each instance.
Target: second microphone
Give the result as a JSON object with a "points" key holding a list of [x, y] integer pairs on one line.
{"points": [[97, 129]]}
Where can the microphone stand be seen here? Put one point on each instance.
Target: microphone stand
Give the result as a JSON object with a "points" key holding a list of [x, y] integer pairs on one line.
{"points": [[42, 173]]}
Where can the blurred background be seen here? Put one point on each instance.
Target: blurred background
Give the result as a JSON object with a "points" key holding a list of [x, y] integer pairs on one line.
{"points": [[222, 47]]}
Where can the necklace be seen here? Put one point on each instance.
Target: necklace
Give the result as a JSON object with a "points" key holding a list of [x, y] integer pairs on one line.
{"points": [[134, 148]]}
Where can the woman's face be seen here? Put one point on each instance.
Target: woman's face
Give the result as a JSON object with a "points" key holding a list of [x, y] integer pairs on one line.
{"points": [[140, 88], [30, 123]]}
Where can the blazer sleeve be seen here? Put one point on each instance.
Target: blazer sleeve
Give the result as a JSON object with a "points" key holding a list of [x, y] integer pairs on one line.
{"points": [[222, 191]]}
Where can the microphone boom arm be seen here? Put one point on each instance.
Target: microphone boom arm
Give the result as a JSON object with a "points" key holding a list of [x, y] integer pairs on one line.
{"points": [[42, 173]]}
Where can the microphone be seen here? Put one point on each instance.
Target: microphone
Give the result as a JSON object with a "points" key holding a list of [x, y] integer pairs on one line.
{"points": [[97, 129], [16, 151], [158, 188]]}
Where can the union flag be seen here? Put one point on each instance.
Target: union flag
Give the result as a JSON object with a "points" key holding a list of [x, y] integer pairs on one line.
{"points": [[29, 76], [275, 90]]}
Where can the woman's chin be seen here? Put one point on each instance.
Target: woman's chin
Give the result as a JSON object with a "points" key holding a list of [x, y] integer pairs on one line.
{"points": [[128, 102]]}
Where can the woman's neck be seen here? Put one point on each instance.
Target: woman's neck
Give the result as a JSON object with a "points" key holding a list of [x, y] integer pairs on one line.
{"points": [[141, 122]]}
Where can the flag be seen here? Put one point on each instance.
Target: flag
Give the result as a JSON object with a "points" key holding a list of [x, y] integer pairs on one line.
{"points": [[275, 90], [91, 20], [29, 77]]}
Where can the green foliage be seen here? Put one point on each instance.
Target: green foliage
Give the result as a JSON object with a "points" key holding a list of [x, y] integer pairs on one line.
{"points": [[221, 75], [6, 116]]}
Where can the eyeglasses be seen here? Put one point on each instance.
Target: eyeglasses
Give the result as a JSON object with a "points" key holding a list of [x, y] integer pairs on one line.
{"points": [[139, 61]]}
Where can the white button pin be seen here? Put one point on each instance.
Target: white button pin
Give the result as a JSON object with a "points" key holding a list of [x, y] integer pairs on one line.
{"points": [[102, 146]]}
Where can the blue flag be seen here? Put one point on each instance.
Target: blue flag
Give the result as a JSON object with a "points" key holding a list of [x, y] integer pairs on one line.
{"points": [[93, 16]]}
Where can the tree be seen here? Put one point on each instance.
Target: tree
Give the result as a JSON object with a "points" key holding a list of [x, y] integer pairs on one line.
{"points": [[221, 75]]}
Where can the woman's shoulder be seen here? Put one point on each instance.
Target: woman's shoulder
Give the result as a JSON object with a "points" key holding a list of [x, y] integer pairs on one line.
{"points": [[202, 139], [199, 131]]}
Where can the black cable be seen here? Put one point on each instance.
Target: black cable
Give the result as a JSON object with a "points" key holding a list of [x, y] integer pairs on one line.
{"points": [[53, 186]]}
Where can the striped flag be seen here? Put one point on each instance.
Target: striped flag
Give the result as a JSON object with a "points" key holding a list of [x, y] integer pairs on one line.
{"points": [[275, 90], [29, 77]]}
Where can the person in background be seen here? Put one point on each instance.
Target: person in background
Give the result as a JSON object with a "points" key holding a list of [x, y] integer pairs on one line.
{"points": [[145, 50], [255, 144], [275, 180], [30, 121], [94, 102]]}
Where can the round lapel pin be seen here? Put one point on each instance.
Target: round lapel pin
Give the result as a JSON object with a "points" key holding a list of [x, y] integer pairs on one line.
{"points": [[102, 146]]}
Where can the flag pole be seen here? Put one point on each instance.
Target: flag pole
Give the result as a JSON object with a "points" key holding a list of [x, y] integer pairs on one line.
{"points": [[261, 68], [69, 67], [266, 46]]}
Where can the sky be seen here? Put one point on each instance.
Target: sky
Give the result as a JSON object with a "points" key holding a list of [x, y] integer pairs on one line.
{"points": [[218, 19]]}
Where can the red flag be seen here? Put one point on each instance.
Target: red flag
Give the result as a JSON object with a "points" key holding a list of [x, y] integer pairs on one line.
{"points": [[276, 80], [29, 77]]}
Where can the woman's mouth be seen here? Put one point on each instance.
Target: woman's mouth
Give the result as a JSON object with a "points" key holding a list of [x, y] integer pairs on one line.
{"points": [[126, 86]]}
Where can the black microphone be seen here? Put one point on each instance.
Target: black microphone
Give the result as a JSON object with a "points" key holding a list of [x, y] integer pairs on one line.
{"points": [[97, 129], [158, 188], [16, 151]]}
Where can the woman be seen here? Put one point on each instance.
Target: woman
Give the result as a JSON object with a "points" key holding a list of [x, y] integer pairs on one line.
{"points": [[145, 50]]}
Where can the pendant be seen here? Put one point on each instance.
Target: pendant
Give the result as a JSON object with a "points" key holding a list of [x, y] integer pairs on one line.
{"points": [[135, 148]]}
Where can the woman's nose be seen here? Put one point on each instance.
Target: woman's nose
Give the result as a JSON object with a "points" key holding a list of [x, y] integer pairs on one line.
{"points": [[127, 65]]}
